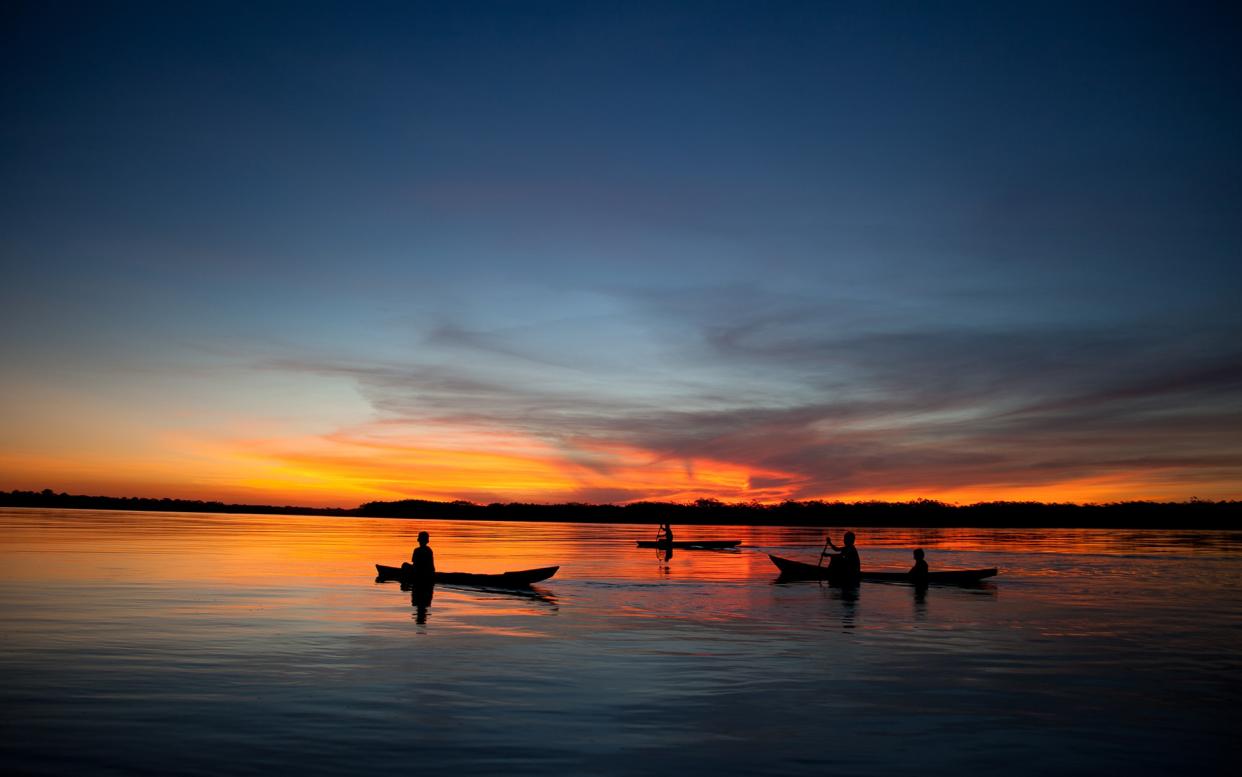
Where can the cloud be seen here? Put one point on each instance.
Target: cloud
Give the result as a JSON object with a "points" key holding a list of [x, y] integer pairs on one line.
{"points": [[791, 404]]}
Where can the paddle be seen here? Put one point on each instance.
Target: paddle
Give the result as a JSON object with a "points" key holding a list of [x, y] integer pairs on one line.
{"points": [[824, 552], [660, 533]]}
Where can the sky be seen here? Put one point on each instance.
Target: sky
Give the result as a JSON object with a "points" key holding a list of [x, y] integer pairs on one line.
{"points": [[323, 254]]}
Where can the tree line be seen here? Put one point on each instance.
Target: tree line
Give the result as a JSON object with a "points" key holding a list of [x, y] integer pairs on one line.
{"points": [[1196, 513]]}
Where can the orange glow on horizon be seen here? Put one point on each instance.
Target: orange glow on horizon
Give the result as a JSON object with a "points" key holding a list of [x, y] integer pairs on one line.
{"points": [[379, 463]]}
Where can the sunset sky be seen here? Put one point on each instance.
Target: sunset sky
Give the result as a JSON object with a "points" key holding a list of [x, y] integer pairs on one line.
{"points": [[329, 253]]}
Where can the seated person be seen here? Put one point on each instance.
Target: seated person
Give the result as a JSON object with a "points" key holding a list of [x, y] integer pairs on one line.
{"points": [[845, 563], [422, 560], [918, 572]]}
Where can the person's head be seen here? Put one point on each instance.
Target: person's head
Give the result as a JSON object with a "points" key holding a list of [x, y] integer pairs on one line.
{"points": [[423, 537], [849, 538], [918, 554]]}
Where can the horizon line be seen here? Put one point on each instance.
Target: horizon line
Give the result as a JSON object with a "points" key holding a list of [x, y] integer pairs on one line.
{"points": [[701, 503]]}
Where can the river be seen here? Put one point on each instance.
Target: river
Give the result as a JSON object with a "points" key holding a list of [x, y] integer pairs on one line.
{"points": [[202, 644]]}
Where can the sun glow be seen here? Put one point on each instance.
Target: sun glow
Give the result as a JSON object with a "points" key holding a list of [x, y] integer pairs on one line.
{"points": [[449, 459]]}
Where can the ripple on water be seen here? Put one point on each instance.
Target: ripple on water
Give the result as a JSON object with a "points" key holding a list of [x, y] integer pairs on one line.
{"points": [[203, 644]]}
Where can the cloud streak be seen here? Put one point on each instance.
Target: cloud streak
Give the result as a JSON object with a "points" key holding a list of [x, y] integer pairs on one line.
{"points": [[762, 404]]}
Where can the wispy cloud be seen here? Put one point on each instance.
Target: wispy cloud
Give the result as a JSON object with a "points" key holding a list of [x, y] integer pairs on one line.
{"points": [[791, 404]]}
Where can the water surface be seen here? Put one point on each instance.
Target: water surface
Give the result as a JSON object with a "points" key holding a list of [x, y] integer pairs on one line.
{"points": [[153, 643]]}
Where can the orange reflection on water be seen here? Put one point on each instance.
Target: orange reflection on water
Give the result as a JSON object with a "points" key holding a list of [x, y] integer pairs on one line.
{"points": [[236, 576], [270, 617]]}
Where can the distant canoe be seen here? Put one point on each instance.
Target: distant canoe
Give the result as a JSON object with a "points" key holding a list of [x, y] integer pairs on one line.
{"points": [[519, 579], [690, 544], [797, 570]]}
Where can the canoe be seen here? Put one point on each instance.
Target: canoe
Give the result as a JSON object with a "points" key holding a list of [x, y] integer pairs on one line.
{"points": [[690, 544], [519, 579], [797, 570]]}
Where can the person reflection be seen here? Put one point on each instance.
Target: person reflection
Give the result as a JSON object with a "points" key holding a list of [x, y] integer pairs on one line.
{"points": [[847, 594], [420, 599]]}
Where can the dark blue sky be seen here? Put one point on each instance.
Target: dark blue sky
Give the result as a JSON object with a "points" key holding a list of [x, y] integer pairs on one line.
{"points": [[818, 249]]}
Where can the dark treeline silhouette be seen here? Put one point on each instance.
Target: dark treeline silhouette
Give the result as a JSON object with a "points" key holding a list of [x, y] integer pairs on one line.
{"points": [[919, 513], [48, 498], [1195, 514]]}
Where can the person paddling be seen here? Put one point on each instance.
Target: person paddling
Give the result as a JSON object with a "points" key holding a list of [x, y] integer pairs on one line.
{"points": [[845, 564], [423, 561], [665, 533], [918, 572]]}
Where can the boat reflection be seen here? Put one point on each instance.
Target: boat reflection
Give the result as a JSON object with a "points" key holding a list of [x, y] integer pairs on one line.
{"points": [[919, 590], [530, 594]]}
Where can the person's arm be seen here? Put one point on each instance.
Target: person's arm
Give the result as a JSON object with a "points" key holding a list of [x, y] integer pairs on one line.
{"points": [[832, 544]]}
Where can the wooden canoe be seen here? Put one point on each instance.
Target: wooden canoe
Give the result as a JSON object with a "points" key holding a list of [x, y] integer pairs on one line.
{"points": [[690, 544], [519, 579], [797, 570]]}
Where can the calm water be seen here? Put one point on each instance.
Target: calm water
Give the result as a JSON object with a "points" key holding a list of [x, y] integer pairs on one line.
{"points": [[205, 644]]}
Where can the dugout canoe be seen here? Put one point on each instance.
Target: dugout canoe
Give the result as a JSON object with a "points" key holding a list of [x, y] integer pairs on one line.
{"points": [[798, 570], [518, 579], [690, 544]]}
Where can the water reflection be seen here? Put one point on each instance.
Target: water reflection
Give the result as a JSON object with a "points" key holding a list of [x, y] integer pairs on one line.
{"points": [[168, 643], [420, 598], [920, 602], [847, 596], [421, 594]]}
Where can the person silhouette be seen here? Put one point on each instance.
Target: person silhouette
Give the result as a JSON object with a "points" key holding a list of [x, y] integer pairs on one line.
{"points": [[918, 572], [844, 566], [422, 566], [421, 577], [665, 534]]}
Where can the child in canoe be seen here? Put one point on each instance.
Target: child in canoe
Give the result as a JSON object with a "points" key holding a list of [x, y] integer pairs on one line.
{"points": [[845, 563], [422, 560], [918, 572]]}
